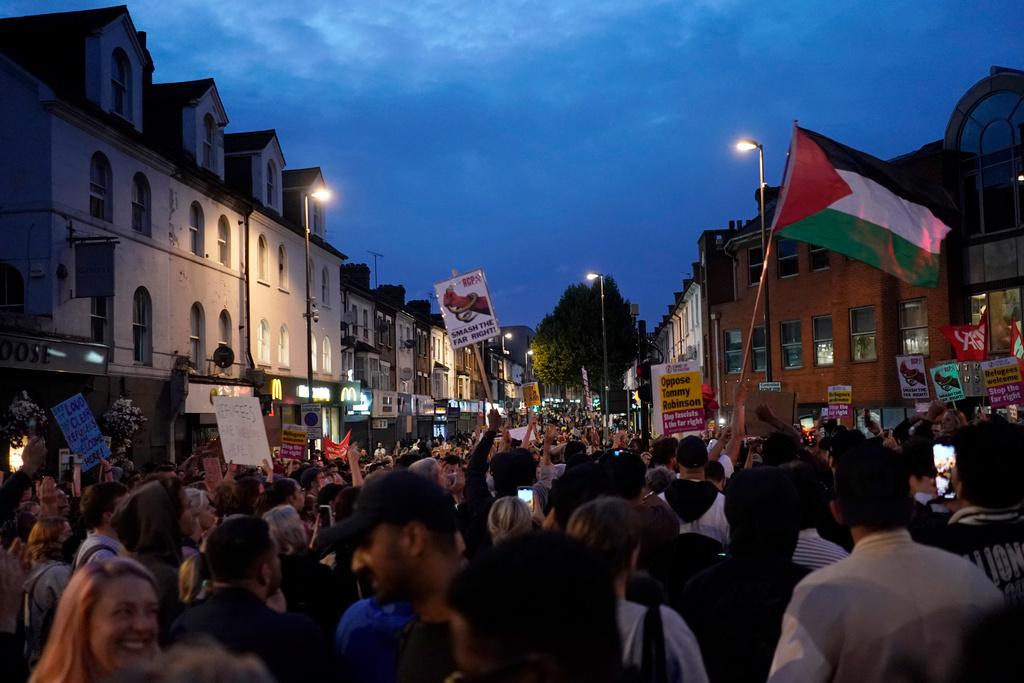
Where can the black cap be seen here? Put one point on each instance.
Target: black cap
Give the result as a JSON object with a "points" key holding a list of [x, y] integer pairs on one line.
{"points": [[398, 498], [692, 452]]}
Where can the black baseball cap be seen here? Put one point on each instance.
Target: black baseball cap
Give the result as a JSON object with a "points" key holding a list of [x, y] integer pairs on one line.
{"points": [[398, 498], [692, 452]]}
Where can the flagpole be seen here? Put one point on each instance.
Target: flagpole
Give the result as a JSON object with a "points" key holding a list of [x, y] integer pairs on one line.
{"points": [[753, 317]]}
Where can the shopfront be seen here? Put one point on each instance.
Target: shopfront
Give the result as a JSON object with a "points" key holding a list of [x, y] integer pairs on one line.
{"points": [[289, 394], [196, 425], [383, 418], [423, 416]]}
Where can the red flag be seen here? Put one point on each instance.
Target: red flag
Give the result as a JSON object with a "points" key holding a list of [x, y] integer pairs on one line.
{"points": [[334, 451], [970, 342]]}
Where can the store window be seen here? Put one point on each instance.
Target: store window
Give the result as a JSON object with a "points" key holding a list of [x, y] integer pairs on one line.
{"points": [[824, 356], [792, 351], [862, 333], [914, 327], [733, 351]]}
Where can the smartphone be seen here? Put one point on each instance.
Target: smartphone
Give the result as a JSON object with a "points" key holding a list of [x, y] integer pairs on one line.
{"points": [[526, 495], [943, 455], [326, 516]]}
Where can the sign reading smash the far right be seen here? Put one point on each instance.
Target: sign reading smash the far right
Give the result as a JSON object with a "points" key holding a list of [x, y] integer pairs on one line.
{"points": [[946, 378], [466, 309], [840, 401], [1003, 381], [913, 377], [678, 399]]}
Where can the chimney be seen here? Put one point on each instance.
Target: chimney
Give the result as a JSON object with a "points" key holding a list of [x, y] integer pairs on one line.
{"points": [[392, 294], [420, 307], [356, 274]]}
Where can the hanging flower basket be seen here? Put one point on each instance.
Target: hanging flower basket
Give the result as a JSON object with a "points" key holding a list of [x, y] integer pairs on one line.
{"points": [[22, 417], [121, 423]]}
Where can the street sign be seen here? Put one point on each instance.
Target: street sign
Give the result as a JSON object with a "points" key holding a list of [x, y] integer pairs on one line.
{"points": [[769, 386], [311, 420]]}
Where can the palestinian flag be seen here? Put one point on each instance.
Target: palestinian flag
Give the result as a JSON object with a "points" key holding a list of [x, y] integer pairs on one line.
{"points": [[854, 204]]}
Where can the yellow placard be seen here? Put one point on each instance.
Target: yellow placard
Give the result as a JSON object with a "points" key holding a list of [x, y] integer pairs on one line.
{"points": [[531, 394], [840, 394], [680, 391], [1002, 375]]}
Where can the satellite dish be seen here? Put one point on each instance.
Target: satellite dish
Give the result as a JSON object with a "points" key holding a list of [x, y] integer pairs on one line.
{"points": [[223, 357], [405, 374]]}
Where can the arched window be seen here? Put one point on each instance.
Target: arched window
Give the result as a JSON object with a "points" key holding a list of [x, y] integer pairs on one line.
{"points": [[224, 329], [990, 163], [261, 258], [142, 327], [312, 352], [196, 223], [263, 342], [325, 286], [197, 335], [121, 84], [12, 289], [140, 204], [99, 187], [271, 180], [283, 348], [209, 131], [282, 267], [326, 364], [224, 241]]}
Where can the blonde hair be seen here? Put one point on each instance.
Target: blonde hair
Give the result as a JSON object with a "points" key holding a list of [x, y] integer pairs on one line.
{"points": [[509, 517], [192, 578], [67, 657], [611, 527], [44, 540], [287, 529]]}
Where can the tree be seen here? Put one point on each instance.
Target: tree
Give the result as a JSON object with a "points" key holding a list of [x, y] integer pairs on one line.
{"points": [[569, 338]]}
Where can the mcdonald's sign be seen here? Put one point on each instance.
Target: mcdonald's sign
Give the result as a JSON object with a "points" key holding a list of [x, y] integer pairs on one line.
{"points": [[276, 394], [351, 393]]}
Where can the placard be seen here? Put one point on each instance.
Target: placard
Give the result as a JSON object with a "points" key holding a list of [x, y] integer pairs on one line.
{"points": [[946, 378], [1003, 381], [531, 394], [240, 424], [466, 309], [678, 399], [782, 403], [587, 400], [212, 473], [913, 377], [840, 401], [293, 442], [81, 431]]}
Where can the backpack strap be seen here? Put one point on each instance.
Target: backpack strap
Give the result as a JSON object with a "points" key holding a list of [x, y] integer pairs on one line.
{"points": [[653, 668], [84, 558]]}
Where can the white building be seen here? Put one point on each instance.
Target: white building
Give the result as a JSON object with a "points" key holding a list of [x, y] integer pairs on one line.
{"points": [[678, 335], [96, 154]]}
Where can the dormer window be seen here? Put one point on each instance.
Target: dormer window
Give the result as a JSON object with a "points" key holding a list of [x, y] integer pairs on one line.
{"points": [[271, 173], [120, 85], [208, 132]]}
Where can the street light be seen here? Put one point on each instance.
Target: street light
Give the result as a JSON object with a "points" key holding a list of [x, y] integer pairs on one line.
{"points": [[321, 194], [604, 349], [747, 145], [507, 335]]}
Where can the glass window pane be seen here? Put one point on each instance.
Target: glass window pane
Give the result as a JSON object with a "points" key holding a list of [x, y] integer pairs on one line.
{"points": [[998, 105], [1004, 306], [732, 340], [819, 258], [791, 332], [758, 342], [864, 347], [913, 313], [970, 198], [823, 327], [862, 319], [915, 341], [792, 358], [787, 248], [997, 197], [823, 354]]}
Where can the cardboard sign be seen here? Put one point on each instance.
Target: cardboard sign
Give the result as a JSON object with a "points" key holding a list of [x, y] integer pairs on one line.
{"points": [[913, 378], [518, 434], [678, 400], [466, 309], [293, 442], [840, 401], [946, 378], [782, 403], [311, 421], [240, 424], [531, 394], [81, 431], [1003, 381], [212, 473]]}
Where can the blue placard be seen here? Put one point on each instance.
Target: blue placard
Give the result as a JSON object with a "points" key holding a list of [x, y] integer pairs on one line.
{"points": [[81, 431]]}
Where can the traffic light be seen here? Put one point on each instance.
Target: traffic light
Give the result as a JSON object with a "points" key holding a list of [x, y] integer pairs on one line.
{"points": [[266, 404]]}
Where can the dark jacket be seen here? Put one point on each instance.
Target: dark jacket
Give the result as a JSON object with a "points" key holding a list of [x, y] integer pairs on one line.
{"points": [[478, 497], [291, 645], [147, 524], [312, 589], [691, 499]]}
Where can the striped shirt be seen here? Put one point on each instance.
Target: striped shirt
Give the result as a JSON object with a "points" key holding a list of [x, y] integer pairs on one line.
{"points": [[814, 552]]}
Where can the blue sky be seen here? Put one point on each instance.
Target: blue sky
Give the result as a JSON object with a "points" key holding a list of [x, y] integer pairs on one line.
{"points": [[542, 139]]}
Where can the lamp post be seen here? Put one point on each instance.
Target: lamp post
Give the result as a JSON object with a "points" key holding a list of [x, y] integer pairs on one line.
{"points": [[746, 146], [604, 350], [320, 195]]}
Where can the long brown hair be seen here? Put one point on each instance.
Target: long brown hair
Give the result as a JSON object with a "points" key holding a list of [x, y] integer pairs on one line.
{"points": [[67, 657], [44, 542]]}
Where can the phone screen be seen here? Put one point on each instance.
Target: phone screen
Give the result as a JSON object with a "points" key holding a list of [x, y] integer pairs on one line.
{"points": [[526, 495], [944, 457], [325, 516]]}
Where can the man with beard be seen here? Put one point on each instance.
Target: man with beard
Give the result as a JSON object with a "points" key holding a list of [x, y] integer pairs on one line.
{"points": [[409, 548], [246, 571]]}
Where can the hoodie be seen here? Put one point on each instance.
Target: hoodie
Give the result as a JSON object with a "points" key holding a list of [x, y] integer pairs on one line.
{"points": [[148, 526], [700, 507]]}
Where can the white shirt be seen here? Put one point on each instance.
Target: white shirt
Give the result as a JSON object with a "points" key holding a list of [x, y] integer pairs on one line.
{"points": [[712, 523], [683, 660], [890, 604]]}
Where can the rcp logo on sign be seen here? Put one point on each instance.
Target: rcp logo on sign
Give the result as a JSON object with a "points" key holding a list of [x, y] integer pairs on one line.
{"points": [[311, 420]]}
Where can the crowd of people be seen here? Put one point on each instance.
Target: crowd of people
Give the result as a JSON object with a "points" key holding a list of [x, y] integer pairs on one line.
{"points": [[568, 555]]}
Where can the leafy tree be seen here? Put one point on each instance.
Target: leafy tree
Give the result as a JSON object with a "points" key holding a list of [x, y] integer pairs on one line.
{"points": [[569, 338]]}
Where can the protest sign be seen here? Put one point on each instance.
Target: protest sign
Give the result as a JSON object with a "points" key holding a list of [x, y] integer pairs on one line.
{"points": [[913, 378], [587, 400], [840, 401], [212, 473], [946, 377], [678, 400], [1003, 381], [333, 451], [293, 442], [531, 394], [781, 403], [518, 434], [242, 435], [466, 309], [81, 431]]}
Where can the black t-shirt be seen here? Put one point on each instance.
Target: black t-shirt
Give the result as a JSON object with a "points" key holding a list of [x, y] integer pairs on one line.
{"points": [[991, 539], [425, 654]]}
